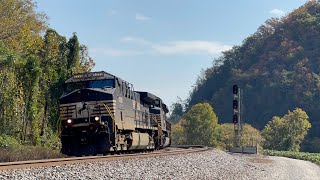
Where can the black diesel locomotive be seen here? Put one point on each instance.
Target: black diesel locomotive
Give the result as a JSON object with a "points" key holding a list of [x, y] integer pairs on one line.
{"points": [[101, 113]]}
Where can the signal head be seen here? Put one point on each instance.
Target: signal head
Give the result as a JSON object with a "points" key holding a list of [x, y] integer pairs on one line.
{"points": [[235, 89], [235, 104], [235, 119]]}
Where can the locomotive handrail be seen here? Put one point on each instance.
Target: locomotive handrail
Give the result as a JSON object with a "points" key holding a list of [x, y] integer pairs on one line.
{"points": [[160, 133], [111, 115]]}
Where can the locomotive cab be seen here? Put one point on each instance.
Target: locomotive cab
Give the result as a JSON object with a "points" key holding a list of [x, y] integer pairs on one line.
{"points": [[86, 109]]}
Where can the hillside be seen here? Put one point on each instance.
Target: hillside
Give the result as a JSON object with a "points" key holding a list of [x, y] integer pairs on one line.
{"points": [[278, 68]]}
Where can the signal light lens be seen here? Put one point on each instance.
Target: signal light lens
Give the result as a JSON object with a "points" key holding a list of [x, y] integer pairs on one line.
{"points": [[235, 119], [235, 104]]}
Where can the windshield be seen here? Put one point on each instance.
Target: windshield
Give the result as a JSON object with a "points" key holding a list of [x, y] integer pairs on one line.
{"points": [[101, 83], [106, 83]]}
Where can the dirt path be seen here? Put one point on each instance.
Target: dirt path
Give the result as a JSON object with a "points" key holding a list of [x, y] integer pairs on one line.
{"points": [[293, 169]]}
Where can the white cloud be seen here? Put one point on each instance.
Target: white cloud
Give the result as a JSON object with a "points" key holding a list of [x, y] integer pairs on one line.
{"points": [[181, 47], [113, 12], [114, 52], [277, 12], [141, 17], [135, 40], [191, 47]]}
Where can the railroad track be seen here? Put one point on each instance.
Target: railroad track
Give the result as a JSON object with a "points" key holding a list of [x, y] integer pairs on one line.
{"points": [[74, 160]]}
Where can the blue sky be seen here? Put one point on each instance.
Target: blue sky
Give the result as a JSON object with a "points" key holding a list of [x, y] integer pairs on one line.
{"points": [[160, 46]]}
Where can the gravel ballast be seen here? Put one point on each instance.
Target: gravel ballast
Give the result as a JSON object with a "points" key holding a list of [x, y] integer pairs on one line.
{"points": [[212, 164]]}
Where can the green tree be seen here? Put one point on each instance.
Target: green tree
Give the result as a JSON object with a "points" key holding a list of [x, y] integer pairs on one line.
{"points": [[201, 125], [177, 111], [11, 97], [33, 71], [54, 65], [288, 132], [86, 62], [73, 46], [33, 68]]}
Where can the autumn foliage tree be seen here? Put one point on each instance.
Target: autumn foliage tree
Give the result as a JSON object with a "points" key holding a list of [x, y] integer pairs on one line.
{"points": [[21, 25]]}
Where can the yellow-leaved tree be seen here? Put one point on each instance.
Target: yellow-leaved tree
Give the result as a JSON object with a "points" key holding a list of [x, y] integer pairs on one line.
{"points": [[21, 26], [288, 132]]}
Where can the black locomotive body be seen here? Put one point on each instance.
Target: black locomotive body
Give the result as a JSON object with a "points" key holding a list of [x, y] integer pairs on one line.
{"points": [[102, 113]]}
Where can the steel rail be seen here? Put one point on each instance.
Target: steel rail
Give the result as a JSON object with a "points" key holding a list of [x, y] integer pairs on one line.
{"points": [[74, 160]]}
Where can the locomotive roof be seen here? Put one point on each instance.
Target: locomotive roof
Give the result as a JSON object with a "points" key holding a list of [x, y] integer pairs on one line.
{"points": [[148, 97], [91, 76], [99, 75]]}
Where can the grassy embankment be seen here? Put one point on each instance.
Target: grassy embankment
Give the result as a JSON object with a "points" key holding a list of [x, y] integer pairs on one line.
{"points": [[312, 157]]}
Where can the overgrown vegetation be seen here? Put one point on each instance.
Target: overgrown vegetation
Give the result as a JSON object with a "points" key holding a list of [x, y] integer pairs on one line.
{"points": [[24, 153], [312, 157], [34, 62], [13, 150], [250, 136], [277, 68], [200, 126]]}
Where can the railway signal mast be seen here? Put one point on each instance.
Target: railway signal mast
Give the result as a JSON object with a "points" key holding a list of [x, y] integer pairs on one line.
{"points": [[237, 114], [238, 122]]}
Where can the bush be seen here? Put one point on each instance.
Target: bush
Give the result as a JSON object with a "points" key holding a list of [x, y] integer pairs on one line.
{"points": [[51, 140], [178, 133], [8, 142], [250, 136]]}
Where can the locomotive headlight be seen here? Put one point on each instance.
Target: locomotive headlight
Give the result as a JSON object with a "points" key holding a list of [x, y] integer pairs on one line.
{"points": [[97, 118], [69, 121]]}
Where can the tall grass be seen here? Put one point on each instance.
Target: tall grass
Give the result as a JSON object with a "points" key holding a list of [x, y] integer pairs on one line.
{"points": [[24, 153]]}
